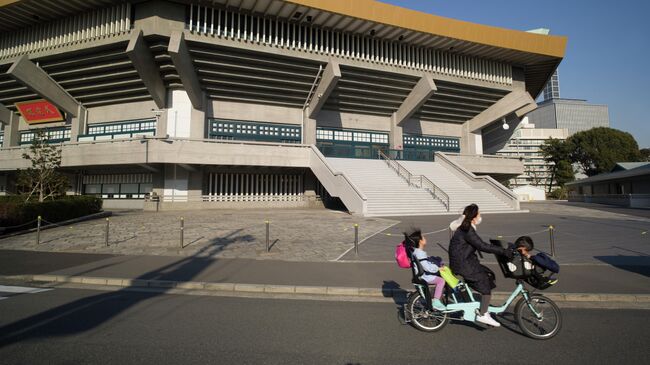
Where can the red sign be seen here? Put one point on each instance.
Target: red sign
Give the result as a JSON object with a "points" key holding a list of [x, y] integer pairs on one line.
{"points": [[39, 111]]}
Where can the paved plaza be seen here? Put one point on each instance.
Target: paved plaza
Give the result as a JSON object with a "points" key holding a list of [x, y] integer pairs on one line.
{"points": [[583, 235], [295, 235]]}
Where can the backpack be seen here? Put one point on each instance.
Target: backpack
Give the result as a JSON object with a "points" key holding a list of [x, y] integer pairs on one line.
{"points": [[402, 257], [542, 259]]}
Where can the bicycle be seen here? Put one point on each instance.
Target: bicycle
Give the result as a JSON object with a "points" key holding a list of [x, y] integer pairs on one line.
{"points": [[538, 317]]}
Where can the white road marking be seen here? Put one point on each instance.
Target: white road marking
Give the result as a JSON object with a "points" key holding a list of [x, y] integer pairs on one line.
{"points": [[21, 289]]}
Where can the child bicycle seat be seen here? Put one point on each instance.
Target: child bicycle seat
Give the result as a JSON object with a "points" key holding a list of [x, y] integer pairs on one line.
{"points": [[417, 280]]}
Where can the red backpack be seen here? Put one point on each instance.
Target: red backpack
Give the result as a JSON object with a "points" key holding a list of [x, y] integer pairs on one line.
{"points": [[402, 257]]}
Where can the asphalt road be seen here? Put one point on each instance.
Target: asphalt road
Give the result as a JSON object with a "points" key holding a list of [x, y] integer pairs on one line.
{"points": [[69, 326]]}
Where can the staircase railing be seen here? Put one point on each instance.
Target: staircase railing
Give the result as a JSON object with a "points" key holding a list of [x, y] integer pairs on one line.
{"points": [[419, 181]]}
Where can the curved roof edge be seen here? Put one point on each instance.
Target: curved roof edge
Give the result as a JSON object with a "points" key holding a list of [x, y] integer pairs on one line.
{"points": [[553, 46]]}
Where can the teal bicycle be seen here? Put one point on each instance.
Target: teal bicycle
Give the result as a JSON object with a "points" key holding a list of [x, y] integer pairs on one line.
{"points": [[538, 317]]}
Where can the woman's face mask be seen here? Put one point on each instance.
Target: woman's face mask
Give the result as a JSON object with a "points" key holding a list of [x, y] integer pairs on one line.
{"points": [[478, 221]]}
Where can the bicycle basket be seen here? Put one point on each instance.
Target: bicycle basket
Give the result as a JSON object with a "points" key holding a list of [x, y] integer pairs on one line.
{"points": [[541, 279]]}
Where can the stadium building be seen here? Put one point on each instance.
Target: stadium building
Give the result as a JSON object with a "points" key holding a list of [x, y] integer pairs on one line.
{"points": [[166, 104]]}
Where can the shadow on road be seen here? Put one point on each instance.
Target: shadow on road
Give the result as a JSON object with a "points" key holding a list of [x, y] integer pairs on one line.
{"points": [[639, 264], [90, 312], [392, 289]]}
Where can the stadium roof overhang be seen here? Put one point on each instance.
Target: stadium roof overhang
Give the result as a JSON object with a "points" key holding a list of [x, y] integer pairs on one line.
{"points": [[104, 74], [538, 54]]}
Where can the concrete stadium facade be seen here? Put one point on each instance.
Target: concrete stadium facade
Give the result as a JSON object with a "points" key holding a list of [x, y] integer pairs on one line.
{"points": [[235, 103]]}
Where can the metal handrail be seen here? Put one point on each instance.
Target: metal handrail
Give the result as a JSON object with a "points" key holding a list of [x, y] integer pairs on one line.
{"points": [[488, 179], [427, 184], [424, 182], [401, 170]]}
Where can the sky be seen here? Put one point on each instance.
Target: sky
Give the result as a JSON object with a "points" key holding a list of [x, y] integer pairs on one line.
{"points": [[607, 59]]}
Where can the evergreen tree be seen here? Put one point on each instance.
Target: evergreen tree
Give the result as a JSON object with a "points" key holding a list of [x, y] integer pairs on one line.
{"points": [[597, 150], [557, 154]]}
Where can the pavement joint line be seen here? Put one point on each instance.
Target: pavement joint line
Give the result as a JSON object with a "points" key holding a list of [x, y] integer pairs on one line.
{"points": [[365, 239], [643, 299]]}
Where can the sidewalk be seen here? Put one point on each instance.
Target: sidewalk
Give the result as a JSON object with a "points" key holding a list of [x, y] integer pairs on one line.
{"points": [[604, 279]]}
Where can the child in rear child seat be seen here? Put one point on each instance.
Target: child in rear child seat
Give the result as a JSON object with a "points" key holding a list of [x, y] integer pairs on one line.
{"points": [[430, 264], [524, 245]]}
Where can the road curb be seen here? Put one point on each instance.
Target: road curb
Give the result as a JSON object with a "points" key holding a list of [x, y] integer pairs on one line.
{"points": [[637, 299]]}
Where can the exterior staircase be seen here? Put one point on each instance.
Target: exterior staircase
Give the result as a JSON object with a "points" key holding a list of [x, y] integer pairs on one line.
{"points": [[462, 192], [387, 193], [445, 187]]}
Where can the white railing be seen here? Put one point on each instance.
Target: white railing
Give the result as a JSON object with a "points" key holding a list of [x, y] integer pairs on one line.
{"points": [[224, 198], [75, 29], [243, 186], [275, 32]]}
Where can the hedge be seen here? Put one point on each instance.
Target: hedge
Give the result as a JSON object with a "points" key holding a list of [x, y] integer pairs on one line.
{"points": [[14, 211]]}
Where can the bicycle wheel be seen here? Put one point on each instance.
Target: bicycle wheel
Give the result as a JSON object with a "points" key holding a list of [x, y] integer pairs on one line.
{"points": [[422, 318], [545, 326]]}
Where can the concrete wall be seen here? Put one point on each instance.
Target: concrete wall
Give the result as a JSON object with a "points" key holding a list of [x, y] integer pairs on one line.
{"points": [[417, 126], [109, 204], [488, 165], [120, 112], [253, 112], [152, 151], [335, 119]]}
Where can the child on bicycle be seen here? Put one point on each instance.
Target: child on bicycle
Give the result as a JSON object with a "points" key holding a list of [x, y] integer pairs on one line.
{"points": [[430, 264], [524, 245]]}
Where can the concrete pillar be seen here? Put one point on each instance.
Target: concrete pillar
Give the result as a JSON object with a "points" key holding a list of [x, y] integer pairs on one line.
{"points": [[308, 128], [421, 92], [195, 185], [176, 183], [396, 136], [34, 78], [144, 63], [161, 123], [328, 81], [518, 78], [11, 134], [180, 113], [471, 143], [158, 182], [78, 124], [198, 121], [180, 55]]}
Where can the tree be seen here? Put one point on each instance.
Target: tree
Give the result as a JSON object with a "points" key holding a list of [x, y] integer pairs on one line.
{"points": [[557, 155], [597, 150], [564, 173], [645, 154], [42, 179]]}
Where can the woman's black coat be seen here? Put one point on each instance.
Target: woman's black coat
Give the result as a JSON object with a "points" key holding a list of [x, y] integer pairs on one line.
{"points": [[463, 259]]}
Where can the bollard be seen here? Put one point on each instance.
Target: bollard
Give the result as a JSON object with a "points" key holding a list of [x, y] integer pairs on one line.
{"points": [[182, 230], [107, 227], [268, 248], [38, 230], [552, 238], [356, 239]]}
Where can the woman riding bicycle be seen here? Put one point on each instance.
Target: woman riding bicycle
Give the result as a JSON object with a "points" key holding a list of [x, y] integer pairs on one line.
{"points": [[463, 260]]}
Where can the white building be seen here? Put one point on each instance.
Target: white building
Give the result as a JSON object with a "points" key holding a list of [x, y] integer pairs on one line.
{"points": [[526, 144]]}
